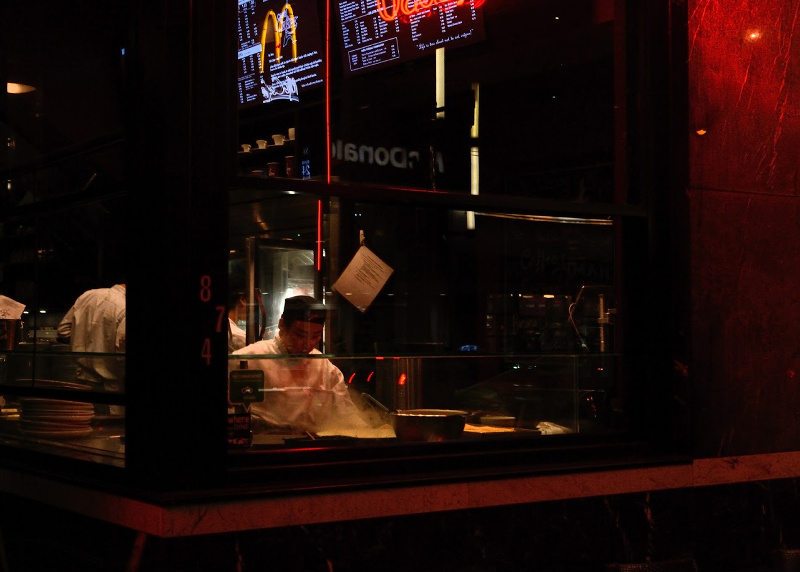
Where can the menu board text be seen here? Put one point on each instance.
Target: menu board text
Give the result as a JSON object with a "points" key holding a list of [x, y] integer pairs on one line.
{"points": [[377, 33]]}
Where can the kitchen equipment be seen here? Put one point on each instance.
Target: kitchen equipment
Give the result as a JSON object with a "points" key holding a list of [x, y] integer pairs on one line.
{"points": [[55, 418], [275, 270], [422, 424], [52, 384], [428, 424], [498, 420]]}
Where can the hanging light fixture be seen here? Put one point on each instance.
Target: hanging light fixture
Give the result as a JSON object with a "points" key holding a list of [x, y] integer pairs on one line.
{"points": [[12, 87]]}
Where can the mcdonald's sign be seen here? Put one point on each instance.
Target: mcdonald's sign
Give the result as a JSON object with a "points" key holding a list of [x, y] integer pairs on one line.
{"points": [[278, 28]]}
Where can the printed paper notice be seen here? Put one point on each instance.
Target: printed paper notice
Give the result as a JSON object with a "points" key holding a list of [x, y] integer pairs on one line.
{"points": [[363, 279], [10, 309]]}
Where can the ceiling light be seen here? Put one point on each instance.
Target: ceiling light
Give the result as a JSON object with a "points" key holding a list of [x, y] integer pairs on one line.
{"points": [[19, 88]]}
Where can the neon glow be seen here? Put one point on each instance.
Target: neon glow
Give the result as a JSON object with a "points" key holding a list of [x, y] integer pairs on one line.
{"points": [[369, 377], [402, 380], [281, 23], [350, 379], [407, 8]]}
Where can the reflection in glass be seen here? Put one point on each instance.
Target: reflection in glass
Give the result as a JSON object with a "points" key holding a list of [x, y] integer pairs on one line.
{"points": [[63, 226]]}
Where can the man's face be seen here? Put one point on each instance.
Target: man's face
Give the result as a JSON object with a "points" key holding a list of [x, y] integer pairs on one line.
{"points": [[301, 337]]}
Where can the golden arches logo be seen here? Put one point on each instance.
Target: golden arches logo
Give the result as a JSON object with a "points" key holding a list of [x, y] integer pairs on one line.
{"points": [[274, 28]]}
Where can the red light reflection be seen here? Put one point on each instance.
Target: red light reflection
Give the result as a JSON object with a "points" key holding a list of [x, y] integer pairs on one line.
{"points": [[402, 380], [753, 35]]}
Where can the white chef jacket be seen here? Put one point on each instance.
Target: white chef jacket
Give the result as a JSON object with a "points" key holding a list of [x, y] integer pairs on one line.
{"points": [[236, 336], [96, 323], [315, 396]]}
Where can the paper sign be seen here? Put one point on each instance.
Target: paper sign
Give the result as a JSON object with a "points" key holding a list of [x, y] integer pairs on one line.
{"points": [[9, 309], [363, 279]]}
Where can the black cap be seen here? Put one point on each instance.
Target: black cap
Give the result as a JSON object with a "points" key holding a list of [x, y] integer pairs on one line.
{"points": [[304, 309]]}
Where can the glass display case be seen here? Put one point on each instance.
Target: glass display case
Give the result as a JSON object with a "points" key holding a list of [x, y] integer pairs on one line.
{"points": [[512, 322], [49, 414]]}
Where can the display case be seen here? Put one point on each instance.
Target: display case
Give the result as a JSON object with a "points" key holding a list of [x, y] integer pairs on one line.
{"points": [[45, 409], [511, 321]]}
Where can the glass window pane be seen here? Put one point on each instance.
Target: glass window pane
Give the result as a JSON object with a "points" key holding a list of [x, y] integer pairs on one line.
{"points": [[63, 228], [508, 320]]}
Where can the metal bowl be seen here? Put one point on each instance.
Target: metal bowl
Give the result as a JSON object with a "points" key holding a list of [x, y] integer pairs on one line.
{"points": [[428, 424]]}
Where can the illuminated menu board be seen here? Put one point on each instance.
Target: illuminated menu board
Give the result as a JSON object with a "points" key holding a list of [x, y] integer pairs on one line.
{"points": [[378, 33], [280, 50]]}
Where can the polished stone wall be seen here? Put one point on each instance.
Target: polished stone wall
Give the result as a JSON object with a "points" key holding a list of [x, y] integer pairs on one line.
{"points": [[744, 234], [727, 527]]}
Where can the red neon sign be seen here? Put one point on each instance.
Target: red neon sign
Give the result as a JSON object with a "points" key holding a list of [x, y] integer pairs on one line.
{"points": [[405, 8]]}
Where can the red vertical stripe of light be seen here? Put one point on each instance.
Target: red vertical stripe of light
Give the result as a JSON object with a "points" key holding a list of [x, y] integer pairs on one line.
{"points": [[319, 235], [328, 91]]}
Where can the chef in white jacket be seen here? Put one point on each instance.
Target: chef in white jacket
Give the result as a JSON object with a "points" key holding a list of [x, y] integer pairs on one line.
{"points": [[96, 323], [302, 392]]}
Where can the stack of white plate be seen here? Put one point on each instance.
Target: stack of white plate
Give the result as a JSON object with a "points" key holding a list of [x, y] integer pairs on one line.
{"points": [[55, 418]]}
